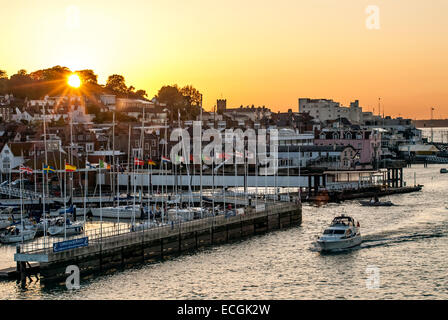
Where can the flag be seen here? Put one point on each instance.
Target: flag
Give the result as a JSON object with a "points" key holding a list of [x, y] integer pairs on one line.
{"points": [[49, 168], [151, 163], [104, 165], [89, 165], [238, 154], [165, 159], [222, 156], [26, 170], [180, 158], [138, 162], [69, 167]]}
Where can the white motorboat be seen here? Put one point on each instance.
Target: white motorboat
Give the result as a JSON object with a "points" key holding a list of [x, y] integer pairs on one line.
{"points": [[14, 234], [59, 228], [343, 233], [124, 212], [144, 226], [178, 214]]}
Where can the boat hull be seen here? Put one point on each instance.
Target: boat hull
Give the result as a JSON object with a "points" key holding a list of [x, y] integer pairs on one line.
{"points": [[340, 244], [24, 236], [376, 204], [114, 213], [71, 230]]}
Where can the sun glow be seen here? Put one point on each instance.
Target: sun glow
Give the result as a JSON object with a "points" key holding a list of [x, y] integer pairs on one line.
{"points": [[74, 81]]}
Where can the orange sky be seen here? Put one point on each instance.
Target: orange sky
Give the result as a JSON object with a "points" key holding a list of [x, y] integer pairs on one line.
{"points": [[249, 52]]}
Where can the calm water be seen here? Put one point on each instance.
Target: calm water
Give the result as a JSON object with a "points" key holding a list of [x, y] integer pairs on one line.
{"points": [[408, 243]]}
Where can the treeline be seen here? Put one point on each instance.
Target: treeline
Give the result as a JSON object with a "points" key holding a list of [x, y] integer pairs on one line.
{"points": [[185, 101], [53, 82]]}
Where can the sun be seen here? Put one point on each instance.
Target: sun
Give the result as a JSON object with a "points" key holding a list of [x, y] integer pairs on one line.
{"points": [[74, 81]]}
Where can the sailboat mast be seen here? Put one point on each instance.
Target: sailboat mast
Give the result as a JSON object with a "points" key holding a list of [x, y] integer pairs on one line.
{"points": [[200, 148]]}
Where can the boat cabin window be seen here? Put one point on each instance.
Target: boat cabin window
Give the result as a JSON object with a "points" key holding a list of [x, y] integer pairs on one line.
{"points": [[328, 231], [339, 231]]}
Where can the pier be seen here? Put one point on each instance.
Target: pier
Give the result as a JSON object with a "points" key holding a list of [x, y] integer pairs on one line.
{"points": [[114, 248]]}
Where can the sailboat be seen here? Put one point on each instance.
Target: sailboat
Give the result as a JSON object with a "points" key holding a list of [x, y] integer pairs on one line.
{"points": [[15, 234], [65, 227], [20, 233]]}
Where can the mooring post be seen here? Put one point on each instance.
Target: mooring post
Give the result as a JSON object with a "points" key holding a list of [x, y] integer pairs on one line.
{"points": [[18, 263]]}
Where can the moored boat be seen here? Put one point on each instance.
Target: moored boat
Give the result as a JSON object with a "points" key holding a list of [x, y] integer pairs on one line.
{"points": [[376, 203], [68, 228], [14, 234]]}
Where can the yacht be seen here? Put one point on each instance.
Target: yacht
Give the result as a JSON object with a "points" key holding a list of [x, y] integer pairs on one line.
{"points": [[16, 234], [69, 228], [124, 212], [343, 233]]}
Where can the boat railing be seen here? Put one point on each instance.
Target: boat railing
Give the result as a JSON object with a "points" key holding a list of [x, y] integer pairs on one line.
{"points": [[123, 230]]}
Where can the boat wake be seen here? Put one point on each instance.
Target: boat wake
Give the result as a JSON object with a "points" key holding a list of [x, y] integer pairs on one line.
{"points": [[371, 241]]}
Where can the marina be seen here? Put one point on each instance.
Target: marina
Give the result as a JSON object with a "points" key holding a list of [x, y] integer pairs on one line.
{"points": [[402, 241]]}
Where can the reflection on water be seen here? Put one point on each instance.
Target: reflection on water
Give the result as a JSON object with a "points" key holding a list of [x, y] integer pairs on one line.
{"points": [[407, 242]]}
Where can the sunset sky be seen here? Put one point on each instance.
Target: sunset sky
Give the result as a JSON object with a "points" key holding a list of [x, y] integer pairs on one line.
{"points": [[249, 52]]}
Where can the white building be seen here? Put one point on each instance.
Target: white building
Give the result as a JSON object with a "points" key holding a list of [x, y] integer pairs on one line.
{"points": [[325, 109], [9, 160], [108, 100], [291, 137]]}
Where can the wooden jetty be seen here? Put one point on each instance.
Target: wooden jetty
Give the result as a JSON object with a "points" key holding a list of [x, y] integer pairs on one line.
{"points": [[111, 250]]}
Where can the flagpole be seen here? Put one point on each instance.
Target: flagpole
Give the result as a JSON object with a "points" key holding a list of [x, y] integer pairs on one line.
{"points": [[43, 203], [213, 182], [35, 181], [235, 188], [21, 204], [129, 164], [113, 153], [200, 148], [65, 204], [45, 149], [101, 206], [288, 174], [85, 188]]}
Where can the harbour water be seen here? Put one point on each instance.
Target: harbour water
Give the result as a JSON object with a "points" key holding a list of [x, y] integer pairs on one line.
{"points": [[407, 243]]}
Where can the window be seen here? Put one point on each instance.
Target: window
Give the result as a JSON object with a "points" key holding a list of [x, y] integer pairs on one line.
{"points": [[89, 147], [6, 163], [153, 143], [146, 146]]}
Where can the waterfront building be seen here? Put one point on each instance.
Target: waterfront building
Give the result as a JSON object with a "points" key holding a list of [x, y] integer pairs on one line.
{"points": [[366, 142]]}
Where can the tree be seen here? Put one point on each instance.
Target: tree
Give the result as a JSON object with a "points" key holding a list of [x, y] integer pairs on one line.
{"points": [[117, 84], [141, 94], [22, 72], [3, 82], [87, 76], [192, 95], [171, 96]]}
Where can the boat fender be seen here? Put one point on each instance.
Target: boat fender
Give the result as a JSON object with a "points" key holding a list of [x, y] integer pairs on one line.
{"points": [[358, 225]]}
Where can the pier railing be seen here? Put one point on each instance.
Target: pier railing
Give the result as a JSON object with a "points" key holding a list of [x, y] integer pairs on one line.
{"points": [[123, 231]]}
